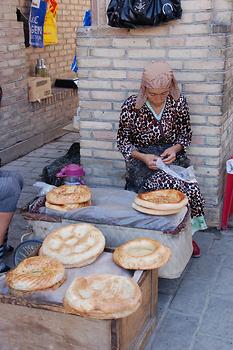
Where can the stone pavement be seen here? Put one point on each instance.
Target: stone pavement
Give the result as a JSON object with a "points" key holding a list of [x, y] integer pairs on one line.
{"points": [[195, 311]]}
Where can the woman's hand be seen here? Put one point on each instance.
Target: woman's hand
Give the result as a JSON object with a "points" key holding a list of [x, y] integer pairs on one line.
{"points": [[148, 159], [169, 155]]}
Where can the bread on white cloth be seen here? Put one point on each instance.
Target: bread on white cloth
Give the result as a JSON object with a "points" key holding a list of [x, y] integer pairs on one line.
{"points": [[74, 245], [141, 254], [36, 273], [103, 296], [168, 199], [69, 194]]}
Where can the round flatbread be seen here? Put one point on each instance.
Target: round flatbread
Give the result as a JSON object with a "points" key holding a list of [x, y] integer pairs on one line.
{"points": [[169, 199], [141, 254], [36, 273], [68, 194], [154, 211], [103, 296], [67, 207], [74, 245]]}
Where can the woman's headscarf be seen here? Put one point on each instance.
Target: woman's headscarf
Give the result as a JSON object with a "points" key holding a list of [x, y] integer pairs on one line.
{"points": [[157, 75]]}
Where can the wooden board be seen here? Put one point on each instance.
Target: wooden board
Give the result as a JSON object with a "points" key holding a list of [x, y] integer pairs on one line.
{"points": [[28, 326]]}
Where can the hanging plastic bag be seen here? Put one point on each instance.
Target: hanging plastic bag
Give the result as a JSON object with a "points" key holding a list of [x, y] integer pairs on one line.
{"points": [[50, 24], [134, 13], [36, 23], [184, 174]]}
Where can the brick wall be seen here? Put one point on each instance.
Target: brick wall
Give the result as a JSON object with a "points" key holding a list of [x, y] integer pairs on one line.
{"points": [[26, 125], [199, 49]]}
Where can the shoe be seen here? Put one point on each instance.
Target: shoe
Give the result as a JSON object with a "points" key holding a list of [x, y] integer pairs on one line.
{"points": [[196, 250], [5, 250], [8, 249], [4, 268]]}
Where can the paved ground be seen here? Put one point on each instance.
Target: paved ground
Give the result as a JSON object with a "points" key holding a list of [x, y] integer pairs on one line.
{"points": [[195, 312]]}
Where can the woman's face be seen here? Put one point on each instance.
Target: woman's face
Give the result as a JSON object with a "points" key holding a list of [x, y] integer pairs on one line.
{"points": [[157, 96]]}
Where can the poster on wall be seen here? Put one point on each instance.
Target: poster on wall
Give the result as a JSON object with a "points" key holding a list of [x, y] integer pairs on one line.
{"points": [[50, 24], [42, 23], [36, 22]]}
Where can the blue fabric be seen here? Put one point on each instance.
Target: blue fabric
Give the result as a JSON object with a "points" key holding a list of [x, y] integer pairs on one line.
{"points": [[87, 18], [36, 23], [74, 65], [11, 185]]}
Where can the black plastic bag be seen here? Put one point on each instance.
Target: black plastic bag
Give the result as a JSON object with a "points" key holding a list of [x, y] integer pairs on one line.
{"points": [[49, 172], [134, 13], [22, 18]]}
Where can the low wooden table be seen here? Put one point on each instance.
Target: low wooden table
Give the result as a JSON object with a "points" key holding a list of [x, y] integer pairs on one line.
{"points": [[35, 322]]}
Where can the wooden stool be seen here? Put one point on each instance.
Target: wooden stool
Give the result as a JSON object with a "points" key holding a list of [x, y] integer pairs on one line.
{"points": [[228, 195]]}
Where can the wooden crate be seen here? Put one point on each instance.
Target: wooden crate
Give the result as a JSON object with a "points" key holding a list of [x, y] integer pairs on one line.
{"points": [[29, 325]]}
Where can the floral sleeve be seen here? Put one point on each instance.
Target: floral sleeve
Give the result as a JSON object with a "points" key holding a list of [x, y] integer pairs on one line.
{"points": [[183, 126], [124, 136]]}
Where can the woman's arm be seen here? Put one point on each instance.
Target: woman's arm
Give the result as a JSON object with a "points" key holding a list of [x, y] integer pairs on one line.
{"points": [[124, 135], [183, 132], [183, 125], [125, 139]]}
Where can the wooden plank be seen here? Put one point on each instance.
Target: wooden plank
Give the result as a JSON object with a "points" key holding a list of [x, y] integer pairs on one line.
{"points": [[131, 328], [26, 329]]}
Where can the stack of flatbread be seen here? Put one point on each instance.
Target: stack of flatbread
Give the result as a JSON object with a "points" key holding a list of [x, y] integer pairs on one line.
{"points": [[160, 202], [68, 197]]}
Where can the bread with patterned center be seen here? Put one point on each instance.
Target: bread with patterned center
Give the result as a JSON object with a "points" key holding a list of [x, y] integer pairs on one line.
{"points": [[141, 254], [69, 194], [169, 199], [103, 296], [36, 273], [74, 245], [67, 207]]}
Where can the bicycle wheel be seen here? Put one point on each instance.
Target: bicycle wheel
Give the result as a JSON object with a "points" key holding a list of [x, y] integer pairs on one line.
{"points": [[26, 249]]}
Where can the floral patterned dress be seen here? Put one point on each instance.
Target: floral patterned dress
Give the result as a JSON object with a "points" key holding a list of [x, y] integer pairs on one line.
{"points": [[141, 130]]}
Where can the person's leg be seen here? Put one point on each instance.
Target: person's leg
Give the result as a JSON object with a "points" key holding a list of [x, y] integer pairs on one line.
{"points": [[10, 188], [5, 219]]}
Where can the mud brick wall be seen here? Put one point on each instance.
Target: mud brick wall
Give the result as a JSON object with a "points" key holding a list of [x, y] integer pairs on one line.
{"points": [[24, 125], [199, 48]]}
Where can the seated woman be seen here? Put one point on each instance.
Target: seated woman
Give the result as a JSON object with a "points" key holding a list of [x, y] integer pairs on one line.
{"points": [[11, 185], [155, 123]]}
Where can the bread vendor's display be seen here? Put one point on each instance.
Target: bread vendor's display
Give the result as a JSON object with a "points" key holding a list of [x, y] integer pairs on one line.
{"points": [[103, 296], [160, 202], [68, 197], [36, 273], [74, 245], [141, 254]]}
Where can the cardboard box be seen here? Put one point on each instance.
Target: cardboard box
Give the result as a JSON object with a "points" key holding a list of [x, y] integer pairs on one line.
{"points": [[39, 88]]}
